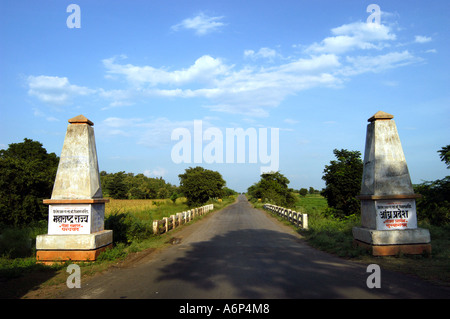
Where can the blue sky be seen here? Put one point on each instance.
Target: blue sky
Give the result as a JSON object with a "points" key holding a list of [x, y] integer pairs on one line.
{"points": [[316, 70]]}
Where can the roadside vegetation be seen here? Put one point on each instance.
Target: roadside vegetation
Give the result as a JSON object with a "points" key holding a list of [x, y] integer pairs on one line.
{"points": [[334, 235], [27, 174], [131, 222], [333, 212]]}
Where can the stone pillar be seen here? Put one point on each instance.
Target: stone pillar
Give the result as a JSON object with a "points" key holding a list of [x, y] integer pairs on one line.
{"points": [[77, 207], [388, 202]]}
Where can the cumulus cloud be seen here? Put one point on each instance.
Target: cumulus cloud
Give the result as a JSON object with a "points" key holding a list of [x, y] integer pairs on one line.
{"points": [[201, 24], [353, 36], [204, 69], [379, 63], [422, 39], [156, 172], [263, 53], [250, 89], [247, 91], [55, 90]]}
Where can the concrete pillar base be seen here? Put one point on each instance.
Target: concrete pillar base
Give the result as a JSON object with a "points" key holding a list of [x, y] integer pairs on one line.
{"points": [[49, 257], [392, 250], [61, 248]]}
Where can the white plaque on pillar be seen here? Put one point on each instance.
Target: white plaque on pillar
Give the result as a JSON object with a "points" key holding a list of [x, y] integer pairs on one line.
{"points": [[396, 214], [66, 219]]}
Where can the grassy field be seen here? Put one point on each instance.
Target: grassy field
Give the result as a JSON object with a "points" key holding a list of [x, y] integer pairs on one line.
{"points": [[335, 236]]}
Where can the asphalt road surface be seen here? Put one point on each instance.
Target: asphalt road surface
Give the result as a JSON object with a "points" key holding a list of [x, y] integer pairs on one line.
{"points": [[241, 252]]}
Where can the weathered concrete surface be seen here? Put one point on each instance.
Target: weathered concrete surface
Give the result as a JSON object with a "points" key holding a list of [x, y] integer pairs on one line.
{"points": [[386, 179], [78, 175], [385, 170], [77, 209], [74, 242], [391, 237]]}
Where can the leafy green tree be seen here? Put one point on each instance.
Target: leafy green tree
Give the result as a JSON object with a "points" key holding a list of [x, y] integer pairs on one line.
{"points": [[199, 185], [27, 174], [228, 192], [115, 186], [434, 205], [272, 187], [303, 191], [444, 154], [343, 182]]}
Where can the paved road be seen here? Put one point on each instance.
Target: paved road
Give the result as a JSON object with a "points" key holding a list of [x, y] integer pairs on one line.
{"points": [[240, 252]]}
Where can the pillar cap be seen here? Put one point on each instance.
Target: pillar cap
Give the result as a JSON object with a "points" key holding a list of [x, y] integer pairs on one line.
{"points": [[380, 115], [80, 119]]}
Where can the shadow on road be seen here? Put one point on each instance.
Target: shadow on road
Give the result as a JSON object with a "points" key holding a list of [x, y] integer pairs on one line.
{"points": [[257, 263]]}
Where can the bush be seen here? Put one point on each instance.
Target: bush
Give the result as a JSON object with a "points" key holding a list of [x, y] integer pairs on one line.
{"points": [[127, 228], [434, 205], [343, 181], [272, 188], [27, 174]]}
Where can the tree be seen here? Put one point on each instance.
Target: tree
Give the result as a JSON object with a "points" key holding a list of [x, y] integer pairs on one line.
{"points": [[273, 187], [115, 186], [343, 182], [27, 174], [434, 204], [303, 192], [444, 154], [199, 185]]}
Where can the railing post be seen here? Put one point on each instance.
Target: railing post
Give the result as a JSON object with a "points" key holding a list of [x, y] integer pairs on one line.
{"points": [[305, 221], [156, 227]]}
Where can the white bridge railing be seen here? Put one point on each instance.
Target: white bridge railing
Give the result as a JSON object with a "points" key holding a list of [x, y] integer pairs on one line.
{"points": [[168, 223], [299, 219]]}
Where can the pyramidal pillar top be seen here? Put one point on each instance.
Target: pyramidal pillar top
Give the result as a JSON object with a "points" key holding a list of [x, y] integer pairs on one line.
{"points": [[385, 170], [78, 175], [388, 202]]}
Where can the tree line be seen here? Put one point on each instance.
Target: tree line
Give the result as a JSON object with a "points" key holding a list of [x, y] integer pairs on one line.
{"points": [[28, 171], [343, 183], [27, 174]]}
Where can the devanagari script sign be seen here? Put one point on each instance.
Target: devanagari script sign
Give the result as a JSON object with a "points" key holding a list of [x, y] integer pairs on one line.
{"points": [[396, 214]]}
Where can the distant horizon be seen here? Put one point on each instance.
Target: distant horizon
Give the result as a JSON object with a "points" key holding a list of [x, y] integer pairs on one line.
{"points": [[143, 71]]}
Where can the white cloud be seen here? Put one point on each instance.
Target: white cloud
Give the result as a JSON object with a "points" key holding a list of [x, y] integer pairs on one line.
{"points": [[375, 64], [353, 36], [156, 172], [422, 39], [203, 70], [251, 90], [201, 24], [246, 91], [264, 53], [55, 90], [39, 113]]}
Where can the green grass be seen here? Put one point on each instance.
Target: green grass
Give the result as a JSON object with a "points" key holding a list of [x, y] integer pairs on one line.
{"points": [[334, 235]]}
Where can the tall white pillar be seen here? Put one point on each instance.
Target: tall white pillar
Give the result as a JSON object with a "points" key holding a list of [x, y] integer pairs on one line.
{"points": [[76, 208], [388, 202]]}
